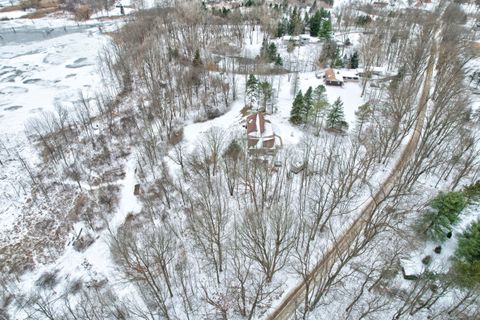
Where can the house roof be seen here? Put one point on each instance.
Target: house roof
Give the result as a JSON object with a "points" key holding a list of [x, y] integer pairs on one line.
{"points": [[258, 126], [331, 76], [259, 129]]}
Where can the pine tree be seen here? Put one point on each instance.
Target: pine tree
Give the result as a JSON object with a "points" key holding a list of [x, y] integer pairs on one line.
{"points": [[272, 52], [363, 112], [295, 23], [337, 60], [469, 244], [197, 60], [306, 19], [354, 61], [319, 92], [307, 103], [297, 109], [467, 256], [252, 91], [319, 106], [264, 48], [325, 30], [336, 116], [265, 93], [324, 14], [278, 61], [282, 28], [444, 212], [315, 24]]}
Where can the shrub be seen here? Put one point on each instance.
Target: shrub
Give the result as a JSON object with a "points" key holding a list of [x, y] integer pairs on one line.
{"points": [[426, 260], [47, 279], [83, 12], [445, 208]]}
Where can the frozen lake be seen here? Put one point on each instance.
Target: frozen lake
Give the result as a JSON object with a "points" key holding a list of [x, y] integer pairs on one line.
{"points": [[31, 33], [45, 63]]}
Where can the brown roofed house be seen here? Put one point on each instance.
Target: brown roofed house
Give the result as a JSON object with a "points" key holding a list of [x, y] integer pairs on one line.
{"points": [[260, 133], [333, 79]]}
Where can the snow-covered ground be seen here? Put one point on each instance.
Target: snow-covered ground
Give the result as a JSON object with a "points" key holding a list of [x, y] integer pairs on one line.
{"points": [[12, 14], [37, 71]]}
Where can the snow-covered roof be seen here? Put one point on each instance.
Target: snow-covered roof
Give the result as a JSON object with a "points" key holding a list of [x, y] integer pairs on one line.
{"points": [[259, 131], [333, 75]]}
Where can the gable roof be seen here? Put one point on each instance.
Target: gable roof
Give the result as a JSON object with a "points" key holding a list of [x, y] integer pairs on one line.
{"points": [[259, 131]]}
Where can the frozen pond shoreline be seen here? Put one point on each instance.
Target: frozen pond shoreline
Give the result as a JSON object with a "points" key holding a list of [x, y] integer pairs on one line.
{"points": [[37, 72], [31, 33]]}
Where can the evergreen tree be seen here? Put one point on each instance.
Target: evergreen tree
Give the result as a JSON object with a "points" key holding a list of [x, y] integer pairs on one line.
{"points": [[325, 31], [225, 12], [320, 103], [319, 92], [363, 20], [252, 90], [469, 244], [472, 192], [278, 60], [264, 48], [364, 112], [272, 52], [444, 212], [282, 27], [307, 103], [467, 256], [297, 109], [337, 60], [324, 14], [269, 52], [295, 23], [315, 24], [336, 116], [265, 94], [354, 61], [197, 60]]}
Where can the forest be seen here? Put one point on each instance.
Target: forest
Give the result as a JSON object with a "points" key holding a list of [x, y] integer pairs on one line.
{"points": [[148, 207]]}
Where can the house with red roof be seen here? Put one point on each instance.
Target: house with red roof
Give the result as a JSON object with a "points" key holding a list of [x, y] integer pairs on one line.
{"points": [[260, 135]]}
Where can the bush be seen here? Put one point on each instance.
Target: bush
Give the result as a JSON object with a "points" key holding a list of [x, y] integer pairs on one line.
{"points": [[467, 256], [445, 208], [47, 280], [83, 12], [426, 260]]}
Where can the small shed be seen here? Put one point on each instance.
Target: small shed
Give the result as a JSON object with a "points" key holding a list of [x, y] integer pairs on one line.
{"points": [[332, 78]]}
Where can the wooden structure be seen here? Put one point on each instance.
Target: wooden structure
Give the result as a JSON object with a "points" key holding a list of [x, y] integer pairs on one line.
{"points": [[332, 78]]}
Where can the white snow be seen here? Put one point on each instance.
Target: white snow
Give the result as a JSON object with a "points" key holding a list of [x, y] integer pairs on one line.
{"points": [[13, 14], [37, 71]]}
